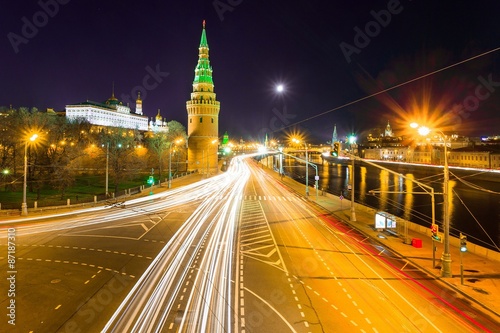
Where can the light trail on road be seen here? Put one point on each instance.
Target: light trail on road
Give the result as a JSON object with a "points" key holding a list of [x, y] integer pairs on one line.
{"points": [[210, 233]]}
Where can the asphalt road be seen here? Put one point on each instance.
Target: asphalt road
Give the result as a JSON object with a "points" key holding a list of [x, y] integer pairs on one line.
{"points": [[301, 270], [234, 252]]}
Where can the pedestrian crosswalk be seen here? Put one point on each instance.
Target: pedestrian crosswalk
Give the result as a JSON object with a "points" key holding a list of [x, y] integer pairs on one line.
{"points": [[272, 198], [256, 239]]}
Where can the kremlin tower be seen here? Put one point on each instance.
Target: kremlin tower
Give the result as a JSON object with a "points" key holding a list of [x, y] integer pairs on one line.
{"points": [[203, 115]]}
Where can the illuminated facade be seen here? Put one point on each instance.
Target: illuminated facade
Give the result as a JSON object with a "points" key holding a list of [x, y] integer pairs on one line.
{"points": [[203, 115], [111, 113]]}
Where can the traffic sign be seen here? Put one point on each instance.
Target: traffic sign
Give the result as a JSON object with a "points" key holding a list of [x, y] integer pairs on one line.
{"points": [[341, 197]]}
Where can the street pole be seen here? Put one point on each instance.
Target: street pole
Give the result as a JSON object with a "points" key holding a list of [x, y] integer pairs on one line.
{"points": [[353, 212], [24, 205], [107, 169], [307, 174], [433, 221], [446, 258], [170, 165], [281, 163]]}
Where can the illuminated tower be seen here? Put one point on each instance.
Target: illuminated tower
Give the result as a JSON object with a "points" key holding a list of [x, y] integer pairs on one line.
{"points": [[203, 115], [388, 130], [334, 135], [138, 104]]}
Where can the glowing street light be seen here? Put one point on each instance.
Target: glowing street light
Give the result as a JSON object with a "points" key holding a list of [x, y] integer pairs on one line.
{"points": [[352, 141], [280, 88], [446, 257], [307, 165], [24, 205]]}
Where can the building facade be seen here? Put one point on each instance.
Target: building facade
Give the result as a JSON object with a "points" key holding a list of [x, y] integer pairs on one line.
{"points": [[203, 115], [111, 113]]}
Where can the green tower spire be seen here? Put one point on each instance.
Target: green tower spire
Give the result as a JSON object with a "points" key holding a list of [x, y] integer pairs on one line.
{"points": [[203, 70]]}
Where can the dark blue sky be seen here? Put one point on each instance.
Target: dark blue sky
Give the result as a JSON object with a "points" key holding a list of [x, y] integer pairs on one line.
{"points": [[79, 48]]}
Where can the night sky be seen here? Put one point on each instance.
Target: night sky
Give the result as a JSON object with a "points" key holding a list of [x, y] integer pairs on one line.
{"points": [[81, 47]]}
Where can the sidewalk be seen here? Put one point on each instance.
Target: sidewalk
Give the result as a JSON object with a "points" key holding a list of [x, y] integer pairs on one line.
{"points": [[481, 275]]}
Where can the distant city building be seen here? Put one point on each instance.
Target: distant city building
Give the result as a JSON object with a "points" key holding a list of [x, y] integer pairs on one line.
{"points": [[203, 115], [334, 136], [484, 157], [388, 130], [158, 123], [400, 154], [111, 113], [225, 140]]}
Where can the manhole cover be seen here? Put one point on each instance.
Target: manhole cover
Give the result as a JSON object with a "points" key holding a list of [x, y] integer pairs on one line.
{"points": [[473, 280], [55, 281], [471, 270]]}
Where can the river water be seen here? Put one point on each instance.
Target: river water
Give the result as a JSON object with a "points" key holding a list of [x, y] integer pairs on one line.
{"points": [[474, 212]]}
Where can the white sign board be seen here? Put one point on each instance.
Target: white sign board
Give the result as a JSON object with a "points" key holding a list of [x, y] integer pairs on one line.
{"points": [[385, 220], [379, 221]]}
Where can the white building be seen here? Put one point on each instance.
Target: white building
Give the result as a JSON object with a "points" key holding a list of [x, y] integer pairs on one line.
{"points": [[110, 113]]}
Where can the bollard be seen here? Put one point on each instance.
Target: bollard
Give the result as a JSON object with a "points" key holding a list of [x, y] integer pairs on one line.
{"points": [[95, 198], [68, 201], [36, 204]]}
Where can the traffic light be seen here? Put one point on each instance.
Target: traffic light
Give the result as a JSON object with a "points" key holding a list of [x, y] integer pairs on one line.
{"points": [[151, 180], [336, 149], [463, 243], [434, 231]]}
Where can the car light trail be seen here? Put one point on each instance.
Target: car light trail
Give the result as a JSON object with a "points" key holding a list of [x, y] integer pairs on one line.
{"points": [[210, 230]]}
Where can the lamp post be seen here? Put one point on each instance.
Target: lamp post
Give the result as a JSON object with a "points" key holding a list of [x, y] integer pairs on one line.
{"points": [[446, 257], [307, 166], [352, 141], [107, 170], [208, 156], [170, 161], [5, 173], [24, 205]]}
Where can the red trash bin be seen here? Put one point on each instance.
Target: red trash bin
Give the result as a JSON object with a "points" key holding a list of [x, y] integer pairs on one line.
{"points": [[416, 242]]}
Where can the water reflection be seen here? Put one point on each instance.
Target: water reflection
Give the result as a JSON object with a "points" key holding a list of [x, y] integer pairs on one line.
{"points": [[485, 207], [408, 205], [451, 206], [362, 183], [384, 187]]}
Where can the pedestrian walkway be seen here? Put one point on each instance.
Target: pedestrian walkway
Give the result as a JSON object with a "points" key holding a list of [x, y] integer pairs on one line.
{"points": [[481, 275]]}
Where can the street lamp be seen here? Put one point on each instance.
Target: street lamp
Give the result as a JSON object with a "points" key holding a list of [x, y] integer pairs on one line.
{"points": [[307, 166], [352, 141], [446, 257], [24, 205], [208, 156], [5, 173], [170, 161]]}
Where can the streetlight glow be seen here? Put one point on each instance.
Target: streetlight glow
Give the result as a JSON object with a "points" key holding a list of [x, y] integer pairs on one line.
{"points": [[424, 131], [280, 88], [446, 257], [24, 205]]}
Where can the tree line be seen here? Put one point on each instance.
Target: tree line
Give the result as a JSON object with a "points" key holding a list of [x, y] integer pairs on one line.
{"points": [[64, 150]]}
